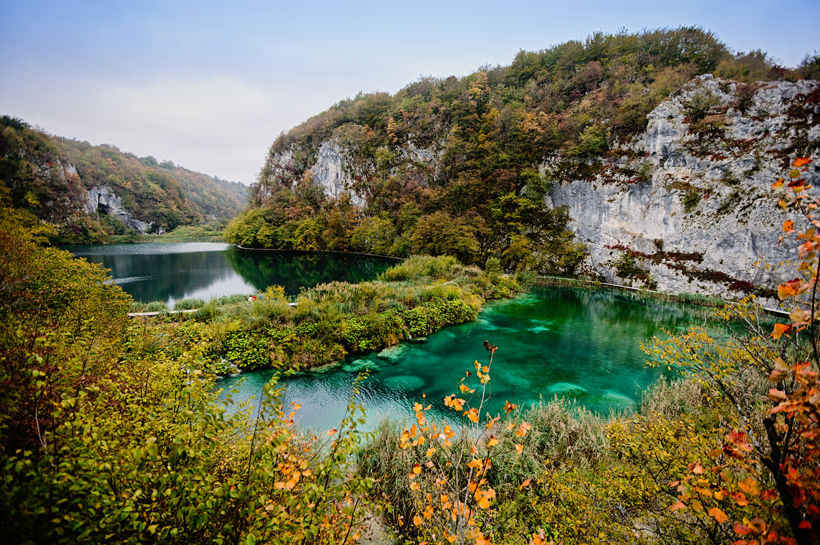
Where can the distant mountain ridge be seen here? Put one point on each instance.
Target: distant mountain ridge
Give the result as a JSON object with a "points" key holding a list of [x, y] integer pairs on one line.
{"points": [[92, 192]]}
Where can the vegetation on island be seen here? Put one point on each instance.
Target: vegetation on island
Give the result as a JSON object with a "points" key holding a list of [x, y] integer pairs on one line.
{"points": [[458, 166], [48, 178], [324, 324]]}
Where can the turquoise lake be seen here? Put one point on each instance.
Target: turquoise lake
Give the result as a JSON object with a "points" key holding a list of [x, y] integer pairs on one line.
{"points": [[577, 344]]}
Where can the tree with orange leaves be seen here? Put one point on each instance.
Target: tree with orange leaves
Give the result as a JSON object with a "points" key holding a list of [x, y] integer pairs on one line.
{"points": [[762, 485]]}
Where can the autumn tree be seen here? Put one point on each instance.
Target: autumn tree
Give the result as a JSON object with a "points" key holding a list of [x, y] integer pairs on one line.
{"points": [[763, 481]]}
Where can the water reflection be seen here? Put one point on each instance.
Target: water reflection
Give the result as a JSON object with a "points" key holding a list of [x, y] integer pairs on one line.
{"points": [[205, 270], [294, 270]]}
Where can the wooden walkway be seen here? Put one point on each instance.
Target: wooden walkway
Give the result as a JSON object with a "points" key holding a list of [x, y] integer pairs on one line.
{"points": [[186, 311]]}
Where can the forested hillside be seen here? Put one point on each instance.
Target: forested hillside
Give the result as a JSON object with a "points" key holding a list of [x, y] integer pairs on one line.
{"points": [[92, 192], [464, 166]]}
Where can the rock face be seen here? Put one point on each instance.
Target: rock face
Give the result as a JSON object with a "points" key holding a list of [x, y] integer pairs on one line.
{"points": [[337, 167], [329, 172], [101, 200], [700, 216]]}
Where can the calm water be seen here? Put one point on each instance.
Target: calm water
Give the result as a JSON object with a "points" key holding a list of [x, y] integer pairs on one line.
{"points": [[558, 342], [173, 271]]}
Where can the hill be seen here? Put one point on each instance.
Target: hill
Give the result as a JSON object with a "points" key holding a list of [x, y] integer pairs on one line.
{"points": [[474, 166], [92, 192]]}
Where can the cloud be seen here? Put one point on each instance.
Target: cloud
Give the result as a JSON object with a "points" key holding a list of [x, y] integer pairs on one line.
{"points": [[219, 125]]}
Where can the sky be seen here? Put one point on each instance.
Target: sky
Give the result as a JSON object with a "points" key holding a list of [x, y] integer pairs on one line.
{"points": [[210, 85]]}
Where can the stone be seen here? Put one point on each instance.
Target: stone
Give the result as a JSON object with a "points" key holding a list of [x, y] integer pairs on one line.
{"points": [[102, 200]]}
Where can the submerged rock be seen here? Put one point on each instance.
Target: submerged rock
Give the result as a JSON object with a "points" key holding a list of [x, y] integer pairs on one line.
{"points": [[405, 382], [393, 353]]}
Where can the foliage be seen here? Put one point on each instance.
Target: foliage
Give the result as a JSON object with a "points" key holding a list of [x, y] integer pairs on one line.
{"points": [[762, 485], [414, 298], [444, 490], [109, 432]]}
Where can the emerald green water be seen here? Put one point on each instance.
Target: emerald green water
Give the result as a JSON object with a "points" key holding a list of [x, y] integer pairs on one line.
{"points": [[578, 344], [170, 272]]}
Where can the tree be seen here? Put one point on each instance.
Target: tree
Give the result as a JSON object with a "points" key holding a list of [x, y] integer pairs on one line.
{"points": [[763, 482]]}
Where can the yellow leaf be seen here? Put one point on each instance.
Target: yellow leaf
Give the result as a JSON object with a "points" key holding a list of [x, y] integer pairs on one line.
{"points": [[799, 315], [475, 463]]}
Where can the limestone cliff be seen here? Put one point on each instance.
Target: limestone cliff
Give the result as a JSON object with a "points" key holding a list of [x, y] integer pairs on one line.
{"points": [[690, 198], [101, 200]]}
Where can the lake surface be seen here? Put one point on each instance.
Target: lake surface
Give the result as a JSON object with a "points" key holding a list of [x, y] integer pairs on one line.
{"points": [[170, 272], [577, 344]]}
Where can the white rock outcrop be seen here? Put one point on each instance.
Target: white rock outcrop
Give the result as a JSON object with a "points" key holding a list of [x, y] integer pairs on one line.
{"points": [[102, 200], [329, 172], [706, 218]]}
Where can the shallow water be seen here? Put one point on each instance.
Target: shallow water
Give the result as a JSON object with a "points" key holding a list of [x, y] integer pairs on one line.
{"points": [[570, 343], [170, 272]]}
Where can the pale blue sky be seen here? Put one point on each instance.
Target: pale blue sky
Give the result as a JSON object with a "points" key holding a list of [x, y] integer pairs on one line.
{"points": [[209, 85]]}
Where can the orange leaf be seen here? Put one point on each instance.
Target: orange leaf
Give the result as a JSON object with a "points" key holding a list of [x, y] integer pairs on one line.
{"points": [[749, 486], [788, 226], [780, 329], [525, 484], [678, 505], [332, 431], [789, 289], [718, 515], [519, 449], [777, 395], [475, 463], [801, 162]]}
